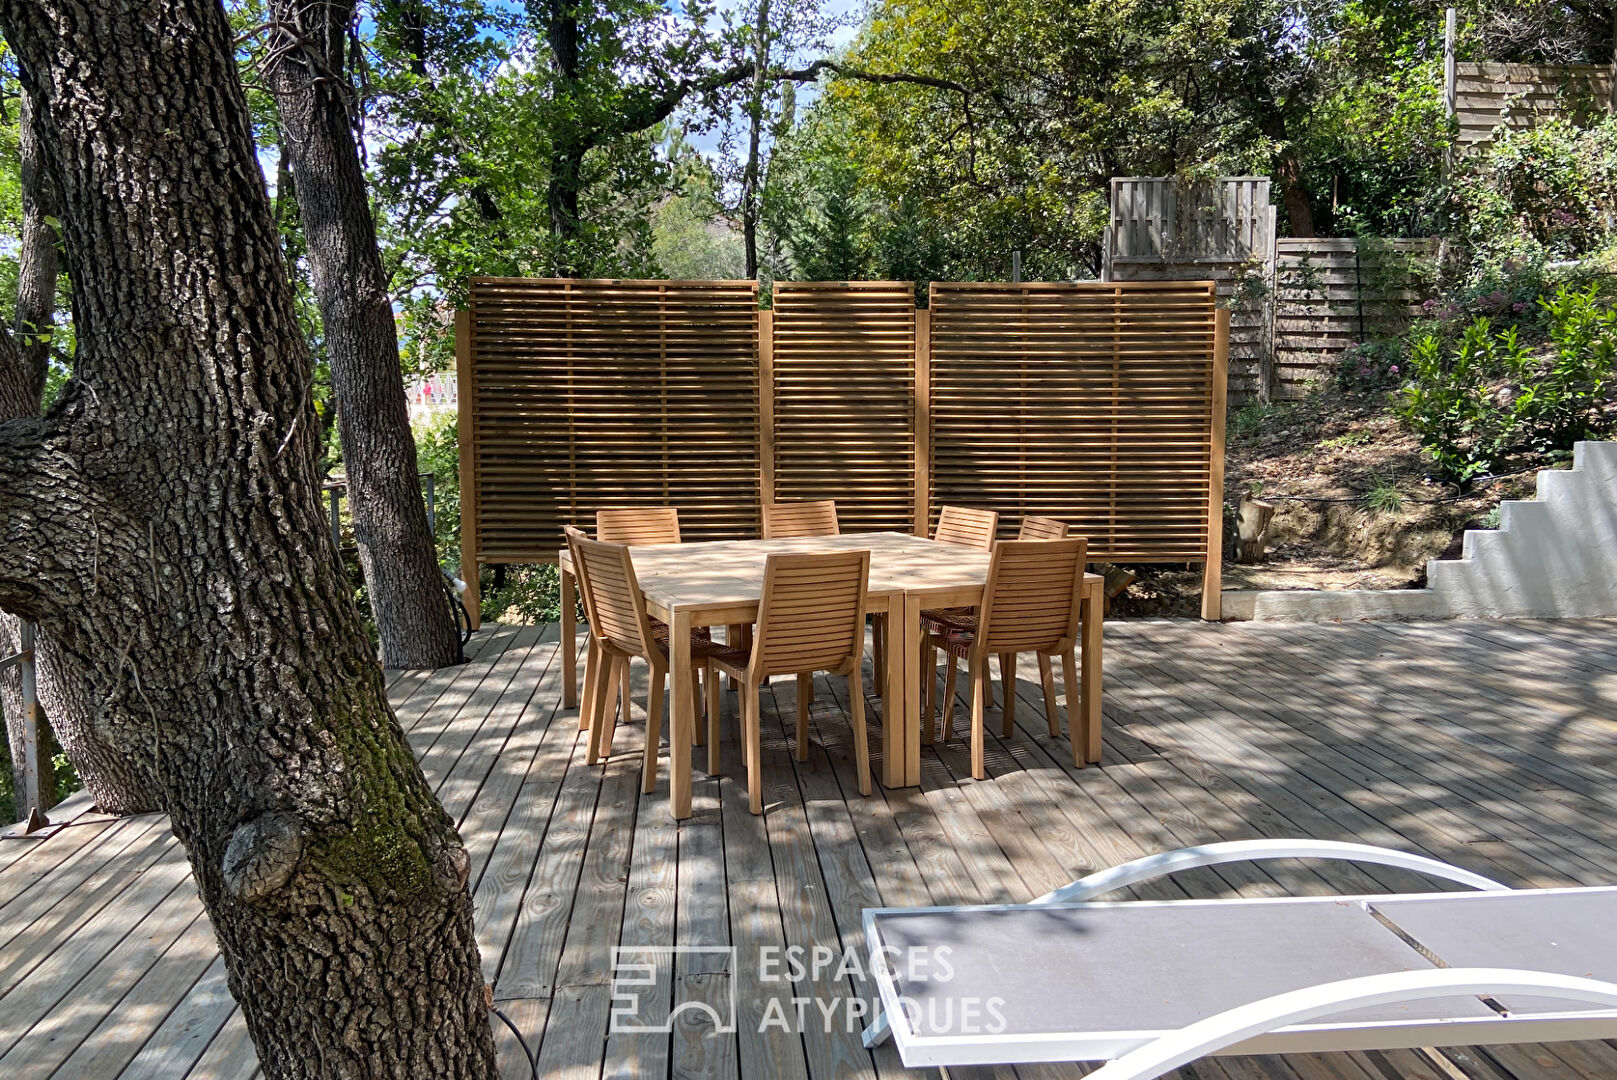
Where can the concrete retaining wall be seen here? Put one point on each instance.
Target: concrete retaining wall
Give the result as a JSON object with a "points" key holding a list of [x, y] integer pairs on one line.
{"points": [[1551, 557]]}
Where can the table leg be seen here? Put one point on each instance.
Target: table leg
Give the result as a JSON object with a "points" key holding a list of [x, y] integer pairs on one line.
{"points": [[894, 695], [569, 645], [1089, 702], [911, 716], [682, 729]]}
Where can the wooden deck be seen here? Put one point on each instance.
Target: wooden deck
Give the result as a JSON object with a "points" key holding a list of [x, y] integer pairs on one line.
{"points": [[1489, 744]]}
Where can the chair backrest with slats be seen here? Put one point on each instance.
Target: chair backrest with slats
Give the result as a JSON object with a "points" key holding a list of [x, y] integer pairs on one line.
{"points": [[617, 610], [812, 615], [574, 533], [1042, 528], [647, 525], [963, 525], [1030, 603], [782, 521]]}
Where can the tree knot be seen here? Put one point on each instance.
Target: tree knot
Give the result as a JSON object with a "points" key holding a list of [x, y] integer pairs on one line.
{"points": [[453, 867], [262, 854]]}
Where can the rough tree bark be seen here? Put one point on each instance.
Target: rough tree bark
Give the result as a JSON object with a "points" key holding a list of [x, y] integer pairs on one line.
{"points": [[163, 522], [305, 70], [24, 361]]}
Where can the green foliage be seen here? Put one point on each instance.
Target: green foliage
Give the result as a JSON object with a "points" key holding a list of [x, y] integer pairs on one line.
{"points": [[1360, 437], [1383, 497], [1491, 395], [1446, 402], [690, 239], [1246, 420], [1534, 195], [1369, 365], [1555, 399]]}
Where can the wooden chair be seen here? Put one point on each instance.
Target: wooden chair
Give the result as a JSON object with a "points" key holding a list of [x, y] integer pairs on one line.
{"points": [[811, 618], [1042, 528], [936, 619], [638, 526], [784, 521], [962, 525], [1030, 604], [622, 630]]}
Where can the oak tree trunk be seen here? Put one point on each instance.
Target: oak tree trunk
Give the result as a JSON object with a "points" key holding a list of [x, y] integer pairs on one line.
{"points": [[24, 361], [163, 523], [306, 73]]}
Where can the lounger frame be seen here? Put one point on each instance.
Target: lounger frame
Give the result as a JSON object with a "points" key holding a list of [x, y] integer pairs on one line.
{"points": [[1294, 1022]]}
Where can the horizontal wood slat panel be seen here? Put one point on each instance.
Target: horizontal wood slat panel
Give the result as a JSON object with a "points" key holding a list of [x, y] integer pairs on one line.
{"points": [[1522, 95], [592, 394], [1330, 295], [1088, 402], [844, 418]]}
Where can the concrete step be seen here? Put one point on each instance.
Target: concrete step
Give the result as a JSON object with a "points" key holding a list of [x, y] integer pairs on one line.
{"points": [[1551, 557]]}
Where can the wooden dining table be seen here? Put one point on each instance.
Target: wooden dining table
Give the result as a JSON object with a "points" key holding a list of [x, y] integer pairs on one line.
{"points": [[720, 583]]}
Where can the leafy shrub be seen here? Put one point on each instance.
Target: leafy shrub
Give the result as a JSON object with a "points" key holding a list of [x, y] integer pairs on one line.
{"points": [[1555, 399], [1369, 365], [1490, 395], [1534, 195], [1446, 400], [1246, 420]]}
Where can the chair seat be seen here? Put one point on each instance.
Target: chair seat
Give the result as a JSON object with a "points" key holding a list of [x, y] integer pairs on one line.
{"points": [[703, 647], [939, 620]]}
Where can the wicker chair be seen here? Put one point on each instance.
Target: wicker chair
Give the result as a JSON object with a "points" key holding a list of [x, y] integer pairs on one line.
{"points": [[622, 630], [784, 521], [1030, 604], [811, 618]]}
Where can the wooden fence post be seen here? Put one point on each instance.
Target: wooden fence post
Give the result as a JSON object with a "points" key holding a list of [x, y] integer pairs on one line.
{"points": [[466, 407], [923, 421], [766, 406], [1213, 569]]}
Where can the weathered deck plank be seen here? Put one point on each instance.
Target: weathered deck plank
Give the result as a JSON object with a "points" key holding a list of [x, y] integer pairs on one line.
{"points": [[1483, 743]]}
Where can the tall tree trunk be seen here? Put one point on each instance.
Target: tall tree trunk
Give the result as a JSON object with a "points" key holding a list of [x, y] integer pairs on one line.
{"points": [[24, 362], [373, 417], [163, 523], [1299, 210], [755, 118]]}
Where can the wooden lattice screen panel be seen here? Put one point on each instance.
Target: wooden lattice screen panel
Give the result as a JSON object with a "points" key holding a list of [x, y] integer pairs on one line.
{"points": [[1099, 404], [609, 393], [843, 367]]}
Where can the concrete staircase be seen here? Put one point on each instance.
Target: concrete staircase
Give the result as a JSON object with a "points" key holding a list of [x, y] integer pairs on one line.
{"points": [[1554, 556]]}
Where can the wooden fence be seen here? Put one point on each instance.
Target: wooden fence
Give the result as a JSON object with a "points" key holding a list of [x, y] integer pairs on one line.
{"points": [[1333, 293], [1486, 96], [840, 358], [1102, 404], [1162, 228]]}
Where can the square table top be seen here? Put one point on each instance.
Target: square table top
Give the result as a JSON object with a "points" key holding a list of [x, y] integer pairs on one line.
{"points": [[728, 573]]}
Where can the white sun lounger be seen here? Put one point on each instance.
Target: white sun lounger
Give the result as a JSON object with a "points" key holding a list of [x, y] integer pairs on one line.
{"points": [[1148, 986]]}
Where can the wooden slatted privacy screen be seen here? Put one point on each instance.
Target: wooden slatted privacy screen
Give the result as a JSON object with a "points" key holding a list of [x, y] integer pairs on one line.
{"points": [[1516, 96], [584, 394], [1092, 403], [1098, 403], [843, 369]]}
